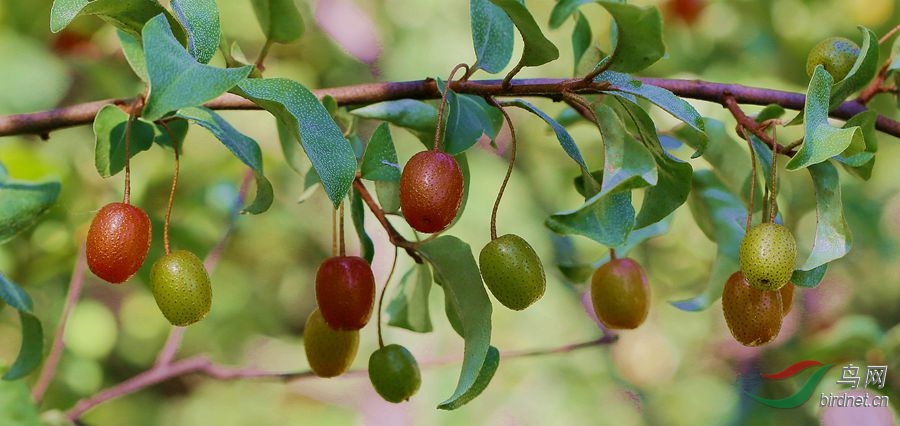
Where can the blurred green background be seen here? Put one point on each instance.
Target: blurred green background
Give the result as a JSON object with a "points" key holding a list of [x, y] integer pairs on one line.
{"points": [[679, 368]]}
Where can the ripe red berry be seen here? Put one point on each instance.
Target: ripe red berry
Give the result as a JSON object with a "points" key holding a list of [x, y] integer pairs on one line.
{"points": [[345, 292], [118, 241], [431, 189]]}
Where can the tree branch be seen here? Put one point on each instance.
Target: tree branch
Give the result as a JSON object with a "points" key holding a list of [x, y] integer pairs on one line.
{"points": [[42, 123]]}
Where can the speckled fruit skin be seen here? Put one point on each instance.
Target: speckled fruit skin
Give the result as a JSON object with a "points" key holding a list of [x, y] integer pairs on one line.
{"points": [[394, 373], [512, 271], [345, 292], [118, 241], [836, 54], [753, 316], [180, 285], [620, 294], [431, 189], [787, 298], [768, 255], [329, 352]]}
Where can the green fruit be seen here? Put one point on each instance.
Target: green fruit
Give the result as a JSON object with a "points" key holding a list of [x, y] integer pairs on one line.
{"points": [[180, 285], [835, 54], [753, 316], [620, 294], [394, 373], [768, 253], [329, 352], [512, 271]]}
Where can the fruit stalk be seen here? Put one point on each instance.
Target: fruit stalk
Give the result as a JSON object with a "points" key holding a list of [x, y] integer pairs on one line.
{"points": [[749, 223], [509, 169], [381, 297], [172, 191], [438, 129]]}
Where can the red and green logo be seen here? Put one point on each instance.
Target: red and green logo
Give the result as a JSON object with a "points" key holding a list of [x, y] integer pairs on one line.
{"points": [[801, 395]]}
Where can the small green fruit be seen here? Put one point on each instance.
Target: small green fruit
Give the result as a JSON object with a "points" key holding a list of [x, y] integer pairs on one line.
{"points": [[620, 294], [512, 271], [329, 352], [835, 54], [753, 316], [394, 373], [180, 285], [768, 253]]}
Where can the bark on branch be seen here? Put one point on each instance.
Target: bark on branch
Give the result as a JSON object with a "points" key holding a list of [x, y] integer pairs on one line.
{"points": [[41, 123]]}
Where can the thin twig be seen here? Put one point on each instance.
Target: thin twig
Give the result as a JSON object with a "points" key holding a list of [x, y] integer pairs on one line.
{"points": [[394, 236], [43, 122], [730, 102], [76, 283]]}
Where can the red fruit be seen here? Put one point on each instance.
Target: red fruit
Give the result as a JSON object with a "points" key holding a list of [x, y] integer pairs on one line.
{"points": [[787, 298], [345, 292], [687, 10], [431, 189], [753, 316], [118, 241]]}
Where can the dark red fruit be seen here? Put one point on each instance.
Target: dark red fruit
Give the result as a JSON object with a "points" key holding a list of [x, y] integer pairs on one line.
{"points": [[118, 241], [345, 292], [686, 10], [787, 298], [431, 189]]}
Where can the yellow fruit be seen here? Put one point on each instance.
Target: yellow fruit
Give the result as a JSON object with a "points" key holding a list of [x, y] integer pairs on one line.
{"points": [[620, 294], [329, 352]]}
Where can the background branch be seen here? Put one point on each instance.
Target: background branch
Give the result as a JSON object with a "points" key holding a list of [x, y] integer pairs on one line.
{"points": [[41, 123]]}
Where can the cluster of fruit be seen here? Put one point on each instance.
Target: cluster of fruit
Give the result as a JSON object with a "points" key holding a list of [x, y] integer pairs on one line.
{"points": [[117, 245]]}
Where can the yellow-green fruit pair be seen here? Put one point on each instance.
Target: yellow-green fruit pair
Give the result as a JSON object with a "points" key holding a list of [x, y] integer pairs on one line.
{"points": [[394, 373], [180, 285], [329, 352], [768, 253], [512, 271], [836, 54]]}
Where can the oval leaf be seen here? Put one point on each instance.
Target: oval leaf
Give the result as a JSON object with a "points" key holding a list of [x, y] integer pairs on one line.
{"points": [[833, 238], [380, 159], [127, 15], [468, 119], [638, 36], [492, 35], [607, 219], [21, 203], [455, 269], [330, 153], [31, 351], [201, 20], [538, 49], [409, 307], [279, 19], [864, 69], [491, 363], [109, 132], [679, 108], [177, 80], [358, 215], [563, 9]]}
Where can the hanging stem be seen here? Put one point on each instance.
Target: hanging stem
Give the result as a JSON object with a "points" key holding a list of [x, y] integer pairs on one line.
{"points": [[752, 178], [772, 206], [172, 192], [334, 232], [439, 127], [341, 250], [612, 253], [381, 297], [509, 169], [128, 125]]}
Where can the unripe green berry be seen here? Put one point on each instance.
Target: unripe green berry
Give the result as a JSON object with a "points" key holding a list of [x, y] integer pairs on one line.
{"points": [[768, 254], [394, 373], [512, 271], [836, 54], [180, 285]]}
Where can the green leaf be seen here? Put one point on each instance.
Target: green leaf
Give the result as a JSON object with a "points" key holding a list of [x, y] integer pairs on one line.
{"points": [[330, 153], [457, 272], [110, 127], [201, 20], [713, 204], [627, 164], [409, 307], [468, 119], [178, 127], [492, 35], [32, 350], [134, 54], [679, 108], [21, 203], [673, 176], [581, 38], [821, 141], [864, 69], [358, 214], [809, 279], [417, 116], [177, 80], [311, 185], [833, 238], [17, 408], [388, 194], [380, 160], [563, 9], [279, 19], [729, 161], [635, 238], [608, 219], [857, 159], [290, 148], [127, 15], [565, 140], [491, 363], [14, 295], [770, 112], [638, 37], [243, 147], [538, 49]]}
